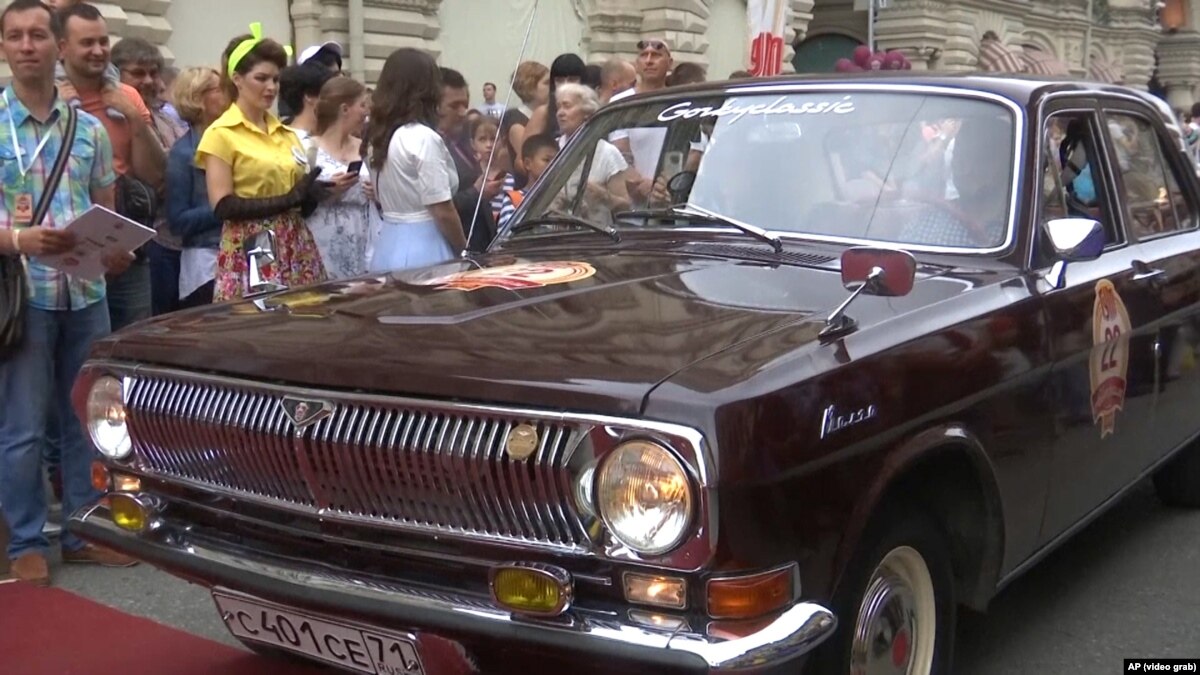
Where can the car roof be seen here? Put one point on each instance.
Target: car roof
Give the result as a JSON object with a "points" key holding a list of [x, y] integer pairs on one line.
{"points": [[1020, 88]]}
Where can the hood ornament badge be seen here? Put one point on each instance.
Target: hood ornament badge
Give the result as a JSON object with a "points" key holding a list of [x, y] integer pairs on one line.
{"points": [[522, 442], [304, 413]]}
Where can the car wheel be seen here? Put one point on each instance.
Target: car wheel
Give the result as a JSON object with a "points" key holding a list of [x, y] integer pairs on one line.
{"points": [[1178, 481], [896, 607]]}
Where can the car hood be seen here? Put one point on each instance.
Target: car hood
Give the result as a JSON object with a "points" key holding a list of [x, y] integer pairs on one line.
{"points": [[594, 333]]}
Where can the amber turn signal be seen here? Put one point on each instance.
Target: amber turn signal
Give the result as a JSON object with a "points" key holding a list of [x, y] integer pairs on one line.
{"points": [[747, 597], [128, 512], [99, 476], [536, 590]]}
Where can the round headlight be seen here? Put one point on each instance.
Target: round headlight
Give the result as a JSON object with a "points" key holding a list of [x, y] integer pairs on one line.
{"points": [[106, 419], [644, 497]]}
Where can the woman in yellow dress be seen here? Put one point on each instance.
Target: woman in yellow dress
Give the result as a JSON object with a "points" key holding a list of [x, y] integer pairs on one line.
{"points": [[258, 174]]}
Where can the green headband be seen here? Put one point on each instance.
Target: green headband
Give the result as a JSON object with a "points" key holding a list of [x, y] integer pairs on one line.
{"points": [[247, 45]]}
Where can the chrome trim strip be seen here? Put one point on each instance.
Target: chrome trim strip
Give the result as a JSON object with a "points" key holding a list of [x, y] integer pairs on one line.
{"points": [[793, 633]]}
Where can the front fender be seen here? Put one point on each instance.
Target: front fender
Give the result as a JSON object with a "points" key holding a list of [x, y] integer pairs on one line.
{"points": [[901, 462]]}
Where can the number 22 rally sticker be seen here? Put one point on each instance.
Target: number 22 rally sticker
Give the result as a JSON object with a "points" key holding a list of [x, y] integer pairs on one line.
{"points": [[1109, 362]]}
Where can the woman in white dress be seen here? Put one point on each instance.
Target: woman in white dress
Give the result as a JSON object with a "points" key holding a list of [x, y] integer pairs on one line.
{"points": [[341, 224], [415, 177]]}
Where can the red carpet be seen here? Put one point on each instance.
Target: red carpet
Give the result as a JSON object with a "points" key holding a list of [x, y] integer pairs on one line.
{"points": [[47, 631]]}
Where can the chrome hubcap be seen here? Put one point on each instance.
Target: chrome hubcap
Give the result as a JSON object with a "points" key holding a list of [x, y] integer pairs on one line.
{"points": [[897, 620]]}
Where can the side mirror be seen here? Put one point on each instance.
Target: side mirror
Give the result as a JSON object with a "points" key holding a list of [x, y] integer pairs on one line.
{"points": [[880, 271], [1075, 239], [876, 271]]}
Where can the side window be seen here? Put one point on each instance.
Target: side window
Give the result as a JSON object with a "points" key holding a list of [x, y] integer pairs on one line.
{"points": [[1072, 186], [1153, 201]]}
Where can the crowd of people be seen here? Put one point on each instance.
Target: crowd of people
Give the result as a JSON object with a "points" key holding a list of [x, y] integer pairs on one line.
{"points": [[342, 179]]}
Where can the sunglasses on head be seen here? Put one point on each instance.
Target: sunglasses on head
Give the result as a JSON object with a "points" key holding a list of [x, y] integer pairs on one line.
{"points": [[657, 45]]}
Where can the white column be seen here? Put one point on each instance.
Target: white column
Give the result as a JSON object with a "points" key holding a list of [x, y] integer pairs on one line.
{"points": [[613, 29], [1179, 67], [682, 22], [1134, 26], [923, 30], [386, 26]]}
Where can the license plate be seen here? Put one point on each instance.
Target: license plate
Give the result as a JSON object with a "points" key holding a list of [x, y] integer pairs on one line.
{"points": [[341, 643]]}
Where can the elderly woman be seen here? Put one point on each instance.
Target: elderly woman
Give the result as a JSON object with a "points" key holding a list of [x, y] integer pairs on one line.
{"points": [[605, 192], [199, 99]]}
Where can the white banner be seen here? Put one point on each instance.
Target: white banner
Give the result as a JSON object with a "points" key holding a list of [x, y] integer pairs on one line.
{"points": [[768, 25]]}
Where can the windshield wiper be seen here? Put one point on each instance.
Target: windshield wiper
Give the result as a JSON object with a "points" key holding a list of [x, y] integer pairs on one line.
{"points": [[693, 212], [560, 218]]}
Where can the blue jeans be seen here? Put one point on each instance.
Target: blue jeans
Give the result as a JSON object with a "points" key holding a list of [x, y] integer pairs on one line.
{"points": [[164, 278], [34, 380], [129, 295]]}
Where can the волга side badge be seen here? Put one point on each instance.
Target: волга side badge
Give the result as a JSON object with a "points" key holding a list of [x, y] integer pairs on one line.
{"points": [[1109, 362]]}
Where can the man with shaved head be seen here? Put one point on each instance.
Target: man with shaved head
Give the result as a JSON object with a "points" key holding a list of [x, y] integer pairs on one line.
{"points": [[616, 75]]}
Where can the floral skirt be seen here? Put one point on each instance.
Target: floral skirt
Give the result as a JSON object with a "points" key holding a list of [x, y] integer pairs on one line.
{"points": [[297, 261]]}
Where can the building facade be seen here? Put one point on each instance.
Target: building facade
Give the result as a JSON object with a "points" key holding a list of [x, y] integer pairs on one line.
{"points": [[1142, 43]]}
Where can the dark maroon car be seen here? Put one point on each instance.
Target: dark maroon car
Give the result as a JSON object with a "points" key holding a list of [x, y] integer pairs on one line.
{"points": [[766, 375]]}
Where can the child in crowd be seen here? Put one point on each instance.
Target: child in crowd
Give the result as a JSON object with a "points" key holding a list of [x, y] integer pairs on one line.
{"points": [[496, 178], [537, 152], [112, 76]]}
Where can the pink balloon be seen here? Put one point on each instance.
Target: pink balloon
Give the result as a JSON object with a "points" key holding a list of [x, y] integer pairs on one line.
{"points": [[844, 66], [862, 55], [893, 61]]}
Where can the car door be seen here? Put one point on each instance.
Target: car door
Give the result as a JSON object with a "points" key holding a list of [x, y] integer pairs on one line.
{"points": [[1158, 192], [1100, 328]]}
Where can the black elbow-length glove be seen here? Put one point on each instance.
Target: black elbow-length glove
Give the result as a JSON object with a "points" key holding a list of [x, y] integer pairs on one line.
{"points": [[306, 194]]}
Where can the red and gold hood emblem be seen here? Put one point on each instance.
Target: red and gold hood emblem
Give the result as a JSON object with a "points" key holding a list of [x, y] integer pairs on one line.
{"points": [[515, 277]]}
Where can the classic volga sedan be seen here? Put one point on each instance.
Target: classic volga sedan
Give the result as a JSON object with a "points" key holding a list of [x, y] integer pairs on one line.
{"points": [[765, 375]]}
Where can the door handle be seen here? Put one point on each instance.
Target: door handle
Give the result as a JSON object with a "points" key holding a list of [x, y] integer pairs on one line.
{"points": [[1144, 272]]}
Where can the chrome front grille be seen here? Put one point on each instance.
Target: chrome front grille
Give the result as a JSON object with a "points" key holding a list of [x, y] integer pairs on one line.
{"points": [[408, 466]]}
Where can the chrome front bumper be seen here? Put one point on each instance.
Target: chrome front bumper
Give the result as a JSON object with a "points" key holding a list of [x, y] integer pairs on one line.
{"points": [[457, 616]]}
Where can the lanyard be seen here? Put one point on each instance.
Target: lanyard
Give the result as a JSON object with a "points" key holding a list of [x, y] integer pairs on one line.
{"points": [[12, 127]]}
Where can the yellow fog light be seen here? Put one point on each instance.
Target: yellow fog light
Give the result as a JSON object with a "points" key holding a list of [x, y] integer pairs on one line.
{"points": [[645, 589], [533, 589], [128, 512]]}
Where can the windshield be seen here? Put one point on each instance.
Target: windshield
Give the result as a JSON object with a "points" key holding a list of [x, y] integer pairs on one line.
{"points": [[912, 169]]}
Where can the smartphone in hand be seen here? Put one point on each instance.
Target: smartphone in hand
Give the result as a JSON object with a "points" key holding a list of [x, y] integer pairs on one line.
{"points": [[354, 168]]}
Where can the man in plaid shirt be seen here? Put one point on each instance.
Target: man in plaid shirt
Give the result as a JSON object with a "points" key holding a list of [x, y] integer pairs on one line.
{"points": [[64, 315]]}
